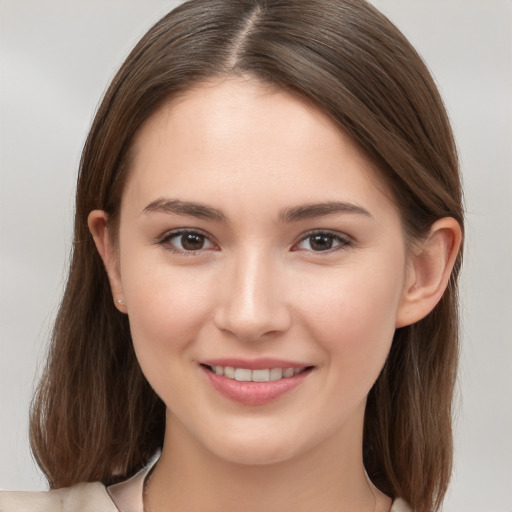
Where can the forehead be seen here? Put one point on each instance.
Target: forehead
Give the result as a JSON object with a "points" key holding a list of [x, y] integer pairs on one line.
{"points": [[240, 136], [219, 110]]}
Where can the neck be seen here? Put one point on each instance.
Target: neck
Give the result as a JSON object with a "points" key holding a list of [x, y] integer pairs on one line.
{"points": [[190, 478]]}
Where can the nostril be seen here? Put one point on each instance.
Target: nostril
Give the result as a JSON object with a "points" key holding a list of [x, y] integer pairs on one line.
{"points": [[252, 323]]}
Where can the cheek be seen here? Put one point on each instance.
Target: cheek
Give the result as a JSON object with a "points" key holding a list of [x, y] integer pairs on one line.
{"points": [[166, 312], [166, 308], [352, 316]]}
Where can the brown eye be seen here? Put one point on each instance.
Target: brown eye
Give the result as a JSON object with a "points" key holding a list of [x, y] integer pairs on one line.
{"points": [[323, 241], [187, 241], [192, 241]]}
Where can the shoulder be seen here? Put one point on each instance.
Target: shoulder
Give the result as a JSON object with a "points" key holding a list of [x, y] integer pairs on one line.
{"points": [[399, 505], [86, 497]]}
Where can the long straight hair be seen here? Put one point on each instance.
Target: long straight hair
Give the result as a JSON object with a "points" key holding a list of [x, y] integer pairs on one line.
{"points": [[94, 416]]}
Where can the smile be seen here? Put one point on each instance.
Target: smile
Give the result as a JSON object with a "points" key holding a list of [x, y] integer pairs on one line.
{"points": [[254, 386], [259, 375]]}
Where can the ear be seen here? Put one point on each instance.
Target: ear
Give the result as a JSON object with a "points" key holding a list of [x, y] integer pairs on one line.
{"points": [[98, 226], [429, 268]]}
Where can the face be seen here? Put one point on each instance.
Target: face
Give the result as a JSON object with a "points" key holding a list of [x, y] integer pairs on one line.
{"points": [[262, 266]]}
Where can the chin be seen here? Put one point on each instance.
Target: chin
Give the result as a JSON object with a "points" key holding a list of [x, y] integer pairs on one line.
{"points": [[260, 443], [254, 453]]}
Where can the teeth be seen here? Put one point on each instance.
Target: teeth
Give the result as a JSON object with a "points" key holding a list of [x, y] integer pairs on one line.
{"points": [[243, 375], [263, 375], [276, 374], [228, 372]]}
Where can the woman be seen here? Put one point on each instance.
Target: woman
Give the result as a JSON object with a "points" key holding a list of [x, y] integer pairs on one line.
{"points": [[263, 285]]}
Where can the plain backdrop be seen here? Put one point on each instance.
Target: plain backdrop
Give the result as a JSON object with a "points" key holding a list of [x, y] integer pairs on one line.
{"points": [[56, 58]]}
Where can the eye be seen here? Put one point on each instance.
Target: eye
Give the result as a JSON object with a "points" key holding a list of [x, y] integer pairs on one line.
{"points": [[323, 241], [186, 241]]}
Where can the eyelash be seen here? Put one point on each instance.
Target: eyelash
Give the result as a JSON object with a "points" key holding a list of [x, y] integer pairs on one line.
{"points": [[343, 242], [165, 241]]}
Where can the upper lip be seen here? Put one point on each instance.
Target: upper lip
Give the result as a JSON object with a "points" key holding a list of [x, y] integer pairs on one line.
{"points": [[253, 364]]}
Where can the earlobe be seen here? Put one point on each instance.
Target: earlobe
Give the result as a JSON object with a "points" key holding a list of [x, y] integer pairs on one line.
{"points": [[98, 226], [430, 266]]}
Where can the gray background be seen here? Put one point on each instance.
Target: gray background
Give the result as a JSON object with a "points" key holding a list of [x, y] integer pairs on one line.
{"points": [[56, 58]]}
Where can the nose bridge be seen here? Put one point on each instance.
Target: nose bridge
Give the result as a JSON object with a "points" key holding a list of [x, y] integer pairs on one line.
{"points": [[254, 301]]}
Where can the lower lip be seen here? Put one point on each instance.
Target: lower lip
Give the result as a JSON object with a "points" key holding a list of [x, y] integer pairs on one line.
{"points": [[254, 393]]}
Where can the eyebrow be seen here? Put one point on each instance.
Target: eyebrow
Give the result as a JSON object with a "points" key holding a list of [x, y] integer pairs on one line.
{"points": [[190, 208], [294, 214], [310, 211]]}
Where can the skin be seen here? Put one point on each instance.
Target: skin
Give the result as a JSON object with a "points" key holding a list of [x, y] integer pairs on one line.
{"points": [[257, 286]]}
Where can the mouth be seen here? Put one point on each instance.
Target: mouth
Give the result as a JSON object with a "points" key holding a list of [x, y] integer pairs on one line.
{"points": [[256, 375], [254, 386]]}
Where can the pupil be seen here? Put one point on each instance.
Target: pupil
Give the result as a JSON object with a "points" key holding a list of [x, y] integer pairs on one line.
{"points": [[192, 242], [321, 242]]}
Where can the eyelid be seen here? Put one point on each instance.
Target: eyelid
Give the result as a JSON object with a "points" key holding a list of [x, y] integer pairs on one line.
{"points": [[346, 241], [164, 240]]}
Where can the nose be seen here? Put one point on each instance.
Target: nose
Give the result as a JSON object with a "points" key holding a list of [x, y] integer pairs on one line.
{"points": [[253, 302]]}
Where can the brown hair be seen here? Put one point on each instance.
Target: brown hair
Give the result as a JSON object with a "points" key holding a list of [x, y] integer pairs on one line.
{"points": [[94, 416]]}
